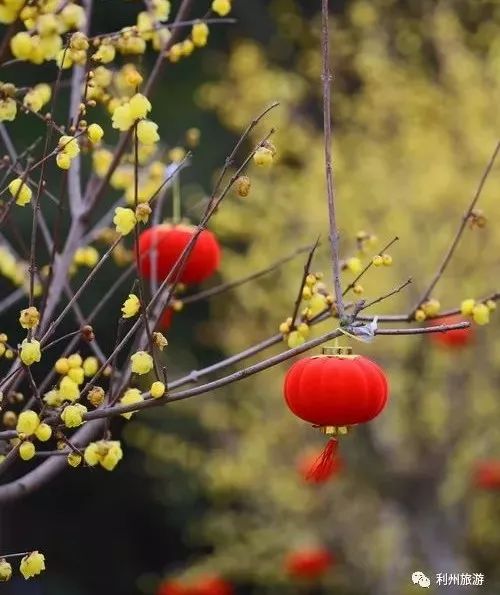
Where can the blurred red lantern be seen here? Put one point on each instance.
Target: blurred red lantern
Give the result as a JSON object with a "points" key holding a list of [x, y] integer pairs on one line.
{"points": [[333, 391], [170, 241], [166, 319], [307, 464], [173, 587], [309, 563], [454, 339], [487, 475], [211, 585]]}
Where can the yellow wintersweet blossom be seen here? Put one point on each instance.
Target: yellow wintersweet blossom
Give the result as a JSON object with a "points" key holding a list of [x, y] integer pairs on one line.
{"points": [[72, 415], [63, 161], [73, 16], [53, 398], [30, 352], [142, 362], [157, 389], [124, 220], [95, 133], [76, 374], [75, 360], [481, 314], [8, 109], [354, 265], [68, 389], [221, 7], [27, 450], [467, 307], [125, 116], [131, 396], [32, 564], [69, 145], [86, 256], [62, 365], [90, 366], [20, 191], [199, 34], [74, 459], [101, 161], [107, 453], [43, 432], [263, 156], [105, 53], [140, 106], [161, 9], [21, 45], [27, 422], [147, 132], [29, 317], [131, 306], [5, 571]]}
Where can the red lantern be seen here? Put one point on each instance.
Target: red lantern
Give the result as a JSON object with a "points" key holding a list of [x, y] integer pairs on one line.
{"points": [[308, 564], [211, 585], [454, 339], [307, 464], [170, 241], [334, 391], [173, 587], [166, 319], [487, 475]]}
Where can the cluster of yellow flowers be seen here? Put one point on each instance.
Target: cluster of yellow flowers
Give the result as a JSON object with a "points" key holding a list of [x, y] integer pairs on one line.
{"points": [[31, 565], [198, 39], [73, 371], [478, 311], [34, 99], [44, 26], [428, 309], [5, 350], [316, 300], [133, 395], [382, 260], [107, 453], [29, 425], [37, 97], [68, 149], [8, 105]]}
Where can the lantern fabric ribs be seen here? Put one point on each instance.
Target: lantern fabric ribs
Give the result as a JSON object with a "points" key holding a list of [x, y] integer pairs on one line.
{"points": [[336, 391]]}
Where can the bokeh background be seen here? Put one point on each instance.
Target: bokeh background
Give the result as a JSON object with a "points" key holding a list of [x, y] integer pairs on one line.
{"points": [[211, 484]]}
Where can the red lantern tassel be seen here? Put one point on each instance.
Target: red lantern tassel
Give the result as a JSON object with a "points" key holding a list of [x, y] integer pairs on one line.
{"points": [[324, 463]]}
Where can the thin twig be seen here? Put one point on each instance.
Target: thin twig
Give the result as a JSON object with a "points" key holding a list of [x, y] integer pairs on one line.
{"points": [[460, 231], [223, 287], [368, 266], [387, 295], [330, 187], [307, 267]]}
